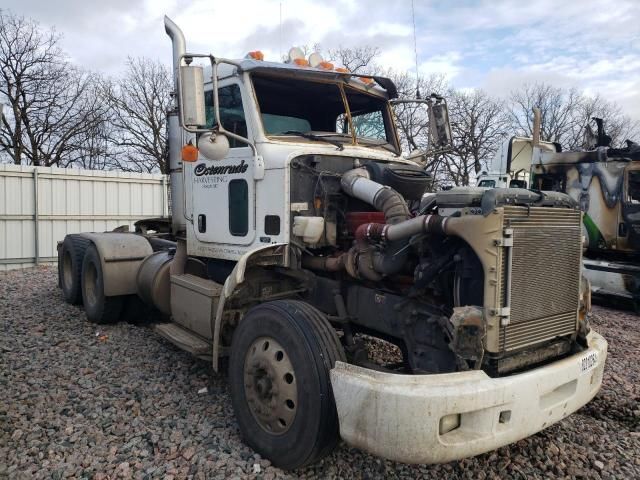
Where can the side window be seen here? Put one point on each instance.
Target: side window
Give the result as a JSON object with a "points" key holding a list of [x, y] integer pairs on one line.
{"points": [[633, 187], [369, 125], [231, 112], [366, 125], [238, 207]]}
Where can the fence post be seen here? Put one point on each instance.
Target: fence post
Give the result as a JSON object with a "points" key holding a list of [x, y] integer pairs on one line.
{"points": [[36, 216]]}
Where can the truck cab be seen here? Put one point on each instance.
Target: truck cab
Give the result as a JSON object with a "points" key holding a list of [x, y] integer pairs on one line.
{"points": [[282, 112], [511, 165]]}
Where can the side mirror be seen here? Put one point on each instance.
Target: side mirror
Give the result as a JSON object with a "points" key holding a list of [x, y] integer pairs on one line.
{"points": [[439, 126], [214, 146], [192, 105], [440, 138]]}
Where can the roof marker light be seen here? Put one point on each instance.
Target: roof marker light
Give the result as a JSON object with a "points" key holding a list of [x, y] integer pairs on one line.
{"points": [[256, 55], [295, 53], [315, 59]]}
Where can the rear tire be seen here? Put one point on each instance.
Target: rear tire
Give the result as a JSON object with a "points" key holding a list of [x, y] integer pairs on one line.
{"points": [[99, 308], [281, 355], [70, 267]]}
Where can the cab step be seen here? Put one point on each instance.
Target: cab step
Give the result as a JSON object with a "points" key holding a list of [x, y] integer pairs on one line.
{"points": [[184, 339]]}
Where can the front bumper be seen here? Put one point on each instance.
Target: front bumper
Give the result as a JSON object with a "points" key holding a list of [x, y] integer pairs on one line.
{"points": [[399, 416]]}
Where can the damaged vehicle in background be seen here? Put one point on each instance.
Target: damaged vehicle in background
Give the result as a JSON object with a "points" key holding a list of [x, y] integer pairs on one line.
{"points": [[605, 182]]}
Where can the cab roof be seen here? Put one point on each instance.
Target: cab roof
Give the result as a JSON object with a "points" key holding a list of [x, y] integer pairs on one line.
{"points": [[383, 86]]}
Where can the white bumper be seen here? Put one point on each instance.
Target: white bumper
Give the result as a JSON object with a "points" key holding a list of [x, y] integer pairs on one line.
{"points": [[398, 416]]}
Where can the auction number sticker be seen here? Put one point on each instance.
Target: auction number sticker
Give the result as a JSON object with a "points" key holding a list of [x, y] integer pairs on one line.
{"points": [[588, 362]]}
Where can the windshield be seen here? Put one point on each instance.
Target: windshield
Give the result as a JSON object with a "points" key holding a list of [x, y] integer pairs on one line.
{"points": [[487, 183], [291, 107]]}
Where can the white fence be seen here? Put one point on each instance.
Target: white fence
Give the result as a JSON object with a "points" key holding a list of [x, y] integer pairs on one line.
{"points": [[40, 205]]}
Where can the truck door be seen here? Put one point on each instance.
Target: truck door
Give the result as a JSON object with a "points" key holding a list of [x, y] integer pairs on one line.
{"points": [[223, 191]]}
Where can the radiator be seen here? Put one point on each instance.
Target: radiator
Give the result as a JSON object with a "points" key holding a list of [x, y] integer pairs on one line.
{"points": [[545, 276]]}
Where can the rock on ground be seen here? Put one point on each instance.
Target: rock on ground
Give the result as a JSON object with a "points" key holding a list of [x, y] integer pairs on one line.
{"points": [[118, 401]]}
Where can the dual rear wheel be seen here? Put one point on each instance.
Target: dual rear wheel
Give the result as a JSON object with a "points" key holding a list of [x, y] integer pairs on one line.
{"points": [[99, 308], [82, 282]]}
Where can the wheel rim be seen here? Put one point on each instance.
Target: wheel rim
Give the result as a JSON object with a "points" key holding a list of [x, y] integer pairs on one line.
{"points": [[67, 270], [270, 385], [90, 284]]}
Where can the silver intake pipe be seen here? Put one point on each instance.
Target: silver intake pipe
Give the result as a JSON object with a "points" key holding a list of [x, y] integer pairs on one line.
{"points": [[421, 224], [176, 181], [357, 183], [176, 134]]}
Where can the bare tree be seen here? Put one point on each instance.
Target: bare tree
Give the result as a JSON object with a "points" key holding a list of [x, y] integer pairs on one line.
{"points": [[357, 59], [50, 103], [565, 113], [138, 104], [618, 126], [95, 150], [558, 108], [478, 125]]}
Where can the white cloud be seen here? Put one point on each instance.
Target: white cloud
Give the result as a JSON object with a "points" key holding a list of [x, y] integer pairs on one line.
{"points": [[495, 44], [447, 64]]}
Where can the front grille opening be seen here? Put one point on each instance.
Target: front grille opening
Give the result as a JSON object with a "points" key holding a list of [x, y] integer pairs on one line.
{"points": [[512, 363]]}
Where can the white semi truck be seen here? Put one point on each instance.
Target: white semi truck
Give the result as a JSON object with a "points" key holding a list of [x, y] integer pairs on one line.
{"points": [[297, 228]]}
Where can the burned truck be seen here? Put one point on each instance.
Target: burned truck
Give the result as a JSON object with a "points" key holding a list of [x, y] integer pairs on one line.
{"points": [[299, 232], [605, 182]]}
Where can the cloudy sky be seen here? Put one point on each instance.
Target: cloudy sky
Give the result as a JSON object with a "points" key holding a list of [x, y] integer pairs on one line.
{"points": [[496, 45]]}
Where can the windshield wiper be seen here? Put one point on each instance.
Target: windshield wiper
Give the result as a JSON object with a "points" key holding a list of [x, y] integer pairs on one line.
{"points": [[313, 136]]}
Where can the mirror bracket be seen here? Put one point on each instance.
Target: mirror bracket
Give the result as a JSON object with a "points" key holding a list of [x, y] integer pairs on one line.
{"points": [[218, 129], [440, 138]]}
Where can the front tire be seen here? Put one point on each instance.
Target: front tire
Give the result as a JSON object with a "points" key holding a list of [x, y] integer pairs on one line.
{"points": [[281, 355], [98, 307]]}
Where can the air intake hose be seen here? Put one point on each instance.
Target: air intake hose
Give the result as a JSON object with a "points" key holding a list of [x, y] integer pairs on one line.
{"points": [[363, 260], [357, 183]]}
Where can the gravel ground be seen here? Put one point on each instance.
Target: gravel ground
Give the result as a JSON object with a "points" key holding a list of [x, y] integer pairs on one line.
{"points": [[120, 402]]}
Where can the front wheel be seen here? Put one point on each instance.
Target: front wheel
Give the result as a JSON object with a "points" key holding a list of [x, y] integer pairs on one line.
{"points": [[281, 355]]}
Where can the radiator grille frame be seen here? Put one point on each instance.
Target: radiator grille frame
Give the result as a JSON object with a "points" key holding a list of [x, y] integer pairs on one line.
{"points": [[545, 275]]}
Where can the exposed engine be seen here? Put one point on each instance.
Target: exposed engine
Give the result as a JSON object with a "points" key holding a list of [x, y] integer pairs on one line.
{"points": [[391, 258]]}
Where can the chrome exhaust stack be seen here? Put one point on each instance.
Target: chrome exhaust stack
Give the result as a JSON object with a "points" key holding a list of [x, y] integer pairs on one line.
{"points": [[175, 133], [179, 47]]}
